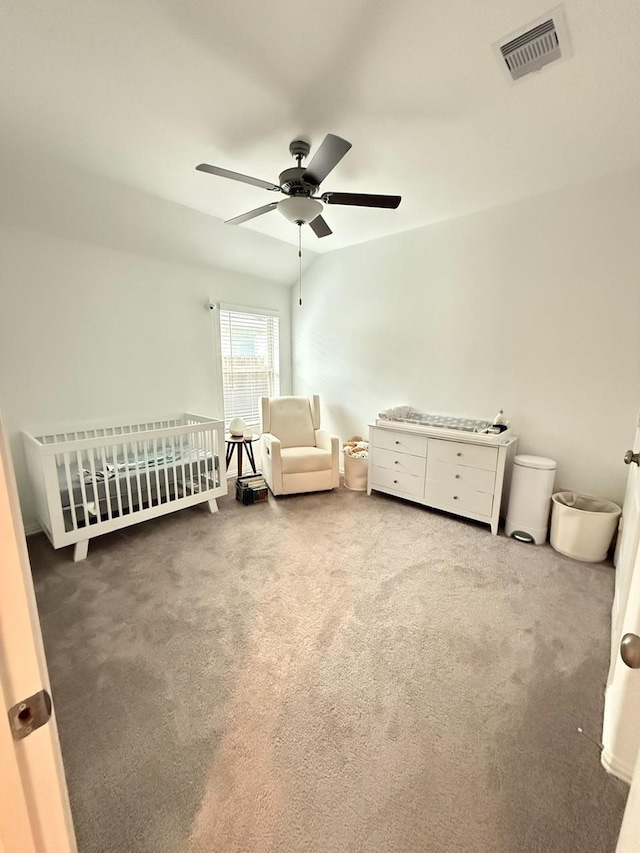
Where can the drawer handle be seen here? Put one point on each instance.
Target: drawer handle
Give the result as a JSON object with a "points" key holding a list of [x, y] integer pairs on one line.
{"points": [[396, 462], [395, 481], [457, 476], [459, 453], [397, 442], [455, 497]]}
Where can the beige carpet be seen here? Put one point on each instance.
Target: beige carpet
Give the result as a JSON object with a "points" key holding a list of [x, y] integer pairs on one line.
{"points": [[328, 673]]}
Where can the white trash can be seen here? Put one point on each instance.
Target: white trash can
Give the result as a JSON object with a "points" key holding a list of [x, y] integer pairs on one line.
{"points": [[582, 526], [355, 473], [530, 498]]}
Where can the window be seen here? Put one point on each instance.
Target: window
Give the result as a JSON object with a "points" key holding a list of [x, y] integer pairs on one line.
{"points": [[250, 344]]}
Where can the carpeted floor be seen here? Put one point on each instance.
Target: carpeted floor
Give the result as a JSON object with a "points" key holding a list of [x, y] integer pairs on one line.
{"points": [[329, 673]]}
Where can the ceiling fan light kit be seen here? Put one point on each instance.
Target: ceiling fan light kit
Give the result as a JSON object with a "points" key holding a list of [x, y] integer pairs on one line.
{"points": [[300, 209], [300, 184]]}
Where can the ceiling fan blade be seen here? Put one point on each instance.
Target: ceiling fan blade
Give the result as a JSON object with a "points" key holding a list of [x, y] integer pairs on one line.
{"points": [[331, 151], [236, 176], [244, 217], [362, 199], [320, 227]]}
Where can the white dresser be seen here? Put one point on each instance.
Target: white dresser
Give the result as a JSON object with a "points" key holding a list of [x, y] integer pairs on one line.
{"points": [[465, 473]]}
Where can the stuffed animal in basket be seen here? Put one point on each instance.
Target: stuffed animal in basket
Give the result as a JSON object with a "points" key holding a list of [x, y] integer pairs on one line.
{"points": [[356, 446]]}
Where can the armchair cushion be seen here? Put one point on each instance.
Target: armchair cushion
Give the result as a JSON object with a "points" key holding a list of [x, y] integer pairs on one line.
{"points": [[305, 460]]}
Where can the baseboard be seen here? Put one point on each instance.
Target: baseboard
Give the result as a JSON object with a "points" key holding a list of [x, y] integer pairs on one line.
{"points": [[32, 529], [616, 768]]}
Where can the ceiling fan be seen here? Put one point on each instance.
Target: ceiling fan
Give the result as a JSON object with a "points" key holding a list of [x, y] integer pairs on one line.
{"points": [[301, 184]]}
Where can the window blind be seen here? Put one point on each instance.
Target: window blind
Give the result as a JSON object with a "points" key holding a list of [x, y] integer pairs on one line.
{"points": [[250, 344]]}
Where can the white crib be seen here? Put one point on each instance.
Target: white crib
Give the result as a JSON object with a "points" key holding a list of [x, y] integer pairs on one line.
{"points": [[96, 479]]}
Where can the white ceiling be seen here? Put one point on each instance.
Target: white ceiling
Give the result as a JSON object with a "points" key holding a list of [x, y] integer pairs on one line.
{"points": [[140, 92]]}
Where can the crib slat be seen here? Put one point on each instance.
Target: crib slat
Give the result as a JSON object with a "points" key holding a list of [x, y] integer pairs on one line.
{"points": [[162, 470], [94, 486], [153, 471], [183, 454], [202, 461], [177, 476], [117, 484], [125, 459], [204, 437], [211, 459], [207, 456], [107, 490], [217, 455], [167, 496], [83, 488], [157, 444], [212, 447], [72, 502], [147, 451], [219, 445], [170, 468], [156, 472], [136, 460], [193, 463]]}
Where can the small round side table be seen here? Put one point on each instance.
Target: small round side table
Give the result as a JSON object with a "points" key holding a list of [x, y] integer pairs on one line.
{"points": [[237, 443]]}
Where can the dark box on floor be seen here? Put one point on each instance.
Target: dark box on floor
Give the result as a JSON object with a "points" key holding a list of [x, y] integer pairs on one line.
{"points": [[251, 489]]}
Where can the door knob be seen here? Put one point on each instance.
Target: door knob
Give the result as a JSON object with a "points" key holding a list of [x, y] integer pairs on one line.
{"points": [[630, 457], [630, 650]]}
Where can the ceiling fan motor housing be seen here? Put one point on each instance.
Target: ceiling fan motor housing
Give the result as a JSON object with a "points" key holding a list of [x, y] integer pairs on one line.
{"points": [[292, 182]]}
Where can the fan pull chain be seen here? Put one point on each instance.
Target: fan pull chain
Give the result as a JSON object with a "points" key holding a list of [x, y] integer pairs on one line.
{"points": [[300, 264]]}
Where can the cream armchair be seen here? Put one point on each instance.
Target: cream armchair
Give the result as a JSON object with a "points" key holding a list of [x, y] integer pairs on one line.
{"points": [[297, 456]]}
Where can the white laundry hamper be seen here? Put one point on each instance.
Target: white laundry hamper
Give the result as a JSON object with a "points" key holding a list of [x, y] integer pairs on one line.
{"points": [[355, 473], [582, 526]]}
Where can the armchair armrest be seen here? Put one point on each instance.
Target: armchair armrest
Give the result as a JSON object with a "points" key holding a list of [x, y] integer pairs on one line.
{"points": [[272, 462], [271, 443], [326, 441]]}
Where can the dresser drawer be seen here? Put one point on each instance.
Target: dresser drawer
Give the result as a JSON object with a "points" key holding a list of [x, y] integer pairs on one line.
{"points": [[459, 498], [476, 479], [403, 442], [461, 453], [405, 463], [396, 481]]}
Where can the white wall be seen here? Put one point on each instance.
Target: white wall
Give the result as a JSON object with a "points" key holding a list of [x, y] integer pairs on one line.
{"points": [[89, 333], [533, 307]]}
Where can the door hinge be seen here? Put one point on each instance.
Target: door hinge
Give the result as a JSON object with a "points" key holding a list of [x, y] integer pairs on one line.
{"points": [[27, 716]]}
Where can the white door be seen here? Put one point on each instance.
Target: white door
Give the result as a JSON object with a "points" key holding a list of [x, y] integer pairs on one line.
{"points": [[629, 839], [34, 806], [621, 725]]}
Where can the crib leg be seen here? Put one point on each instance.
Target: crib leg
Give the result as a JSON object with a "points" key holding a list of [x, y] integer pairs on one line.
{"points": [[213, 505], [80, 550]]}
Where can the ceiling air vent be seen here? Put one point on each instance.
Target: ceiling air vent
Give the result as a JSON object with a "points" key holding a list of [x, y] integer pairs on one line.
{"points": [[530, 49]]}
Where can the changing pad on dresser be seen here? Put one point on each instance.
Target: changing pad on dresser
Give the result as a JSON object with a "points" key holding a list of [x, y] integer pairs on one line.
{"points": [[440, 424]]}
